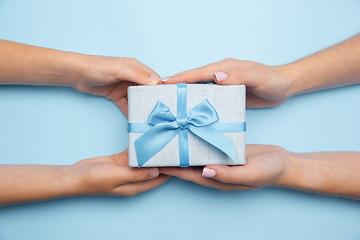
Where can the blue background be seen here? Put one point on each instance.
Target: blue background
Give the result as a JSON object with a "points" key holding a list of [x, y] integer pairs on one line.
{"points": [[58, 125]]}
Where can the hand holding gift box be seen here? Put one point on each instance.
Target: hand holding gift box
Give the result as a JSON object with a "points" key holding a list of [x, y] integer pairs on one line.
{"points": [[209, 127]]}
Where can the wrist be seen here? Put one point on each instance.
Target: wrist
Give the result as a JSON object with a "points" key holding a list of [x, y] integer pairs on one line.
{"points": [[290, 176], [73, 68], [300, 172], [79, 180], [84, 179], [85, 68], [290, 75], [69, 181], [58, 68]]}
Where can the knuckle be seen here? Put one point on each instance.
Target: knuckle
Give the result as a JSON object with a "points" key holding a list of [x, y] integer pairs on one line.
{"points": [[81, 162], [226, 178], [231, 63], [139, 74], [237, 73], [141, 175], [135, 62], [132, 62], [229, 60], [132, 59], [82, 87], [278, 149]]}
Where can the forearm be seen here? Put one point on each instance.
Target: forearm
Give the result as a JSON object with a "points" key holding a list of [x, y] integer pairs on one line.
{"points": [[333, 67], [30, 65], [26, 183], [334, 173]]}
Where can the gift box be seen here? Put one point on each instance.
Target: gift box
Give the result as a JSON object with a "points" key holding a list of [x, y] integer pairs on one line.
{"points": [[186, 125]]}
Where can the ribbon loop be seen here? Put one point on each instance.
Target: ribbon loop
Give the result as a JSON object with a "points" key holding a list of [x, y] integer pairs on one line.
{"points": [[202, 114], [160, 114]]}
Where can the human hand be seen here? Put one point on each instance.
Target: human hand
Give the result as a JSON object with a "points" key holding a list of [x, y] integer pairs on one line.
{"points": [[266, 86], [111, 175], [265, 166], [111, 76]]}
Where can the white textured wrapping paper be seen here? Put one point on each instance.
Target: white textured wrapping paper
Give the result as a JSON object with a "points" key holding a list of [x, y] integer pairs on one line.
{"points": [[229, 102]]}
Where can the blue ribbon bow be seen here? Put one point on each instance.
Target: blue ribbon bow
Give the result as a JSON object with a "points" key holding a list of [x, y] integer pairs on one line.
{"points": [[163, 126]]}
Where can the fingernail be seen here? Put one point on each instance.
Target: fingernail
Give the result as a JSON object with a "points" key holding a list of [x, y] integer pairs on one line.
{"points": [[165, 79], [221, 76], [207, 172], [153, 79], [154, 172]]}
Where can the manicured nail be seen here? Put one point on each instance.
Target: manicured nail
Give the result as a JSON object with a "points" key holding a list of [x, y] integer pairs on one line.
{"points": [[153, 79], [207, 172], [165, 79], [154, 172], [221, 76]]}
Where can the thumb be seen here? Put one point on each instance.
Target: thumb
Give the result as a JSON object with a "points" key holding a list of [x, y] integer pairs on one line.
{"points": [[227, 174], [128, 174], [251, 77], [137, 75]]}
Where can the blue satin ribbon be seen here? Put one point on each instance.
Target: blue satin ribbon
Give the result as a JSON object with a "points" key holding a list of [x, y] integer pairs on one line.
{"points": [[222, 127], [163, 126]]}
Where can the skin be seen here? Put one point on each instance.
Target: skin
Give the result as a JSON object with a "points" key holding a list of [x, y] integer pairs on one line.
{"points": [[335, 173], [109, 175], [267, 86], [97, 75], [103, 76]]}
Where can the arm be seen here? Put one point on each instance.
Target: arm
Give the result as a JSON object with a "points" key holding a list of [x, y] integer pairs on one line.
{"points": [[109, 175], [334, 173], [25, 64], [104, 76], [269, 86], [333, 67]]}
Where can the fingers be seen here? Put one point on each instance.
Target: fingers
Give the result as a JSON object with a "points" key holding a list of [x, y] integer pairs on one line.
{"points": [[251, 77], [244, 177], [119, 90], [255, 101], [122, 158], [195, 175], [202, 74], [137, 75], [206, 73], [134, 188], [128, 174], [189, 173], [255, 149], [140, 65], [119, 158], [123, 105], [119, 95], [229, 174], [96, 160], [134, 174]]}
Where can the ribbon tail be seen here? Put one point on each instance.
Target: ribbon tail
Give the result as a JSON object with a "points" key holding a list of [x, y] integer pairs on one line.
{"points": [[151, 142], [184, 148], [215, 138]]}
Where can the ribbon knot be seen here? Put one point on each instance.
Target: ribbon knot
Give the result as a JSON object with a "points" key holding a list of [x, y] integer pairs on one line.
{"points": [[201, 115], [182, 123], [165, 126]]}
